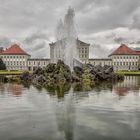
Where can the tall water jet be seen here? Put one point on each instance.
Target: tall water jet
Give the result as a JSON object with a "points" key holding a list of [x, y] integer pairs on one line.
{"points": [[66, 40]]}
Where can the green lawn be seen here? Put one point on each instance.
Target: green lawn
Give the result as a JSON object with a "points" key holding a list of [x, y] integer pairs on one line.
{"points": [[128, 72], [12, 72]]}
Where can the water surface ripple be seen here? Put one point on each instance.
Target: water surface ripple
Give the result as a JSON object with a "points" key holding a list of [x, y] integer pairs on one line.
{"points": [[108, 112]]}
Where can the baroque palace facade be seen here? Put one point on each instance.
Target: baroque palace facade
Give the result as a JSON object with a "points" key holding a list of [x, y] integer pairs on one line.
{"points": [[16, 58], [123, 58], [82, 47]]}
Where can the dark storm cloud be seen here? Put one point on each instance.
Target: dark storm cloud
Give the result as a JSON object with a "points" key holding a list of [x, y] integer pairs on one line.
{"points": [[35, 36], [107, 14], [5, 42], [94, 18], [119, 40], [17, 16], [92, 15], [37, 44]]}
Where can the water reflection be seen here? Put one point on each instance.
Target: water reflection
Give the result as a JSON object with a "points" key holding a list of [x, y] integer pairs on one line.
{"points": [[59, 90], [130, 83], [71, 112], [13, 89]]}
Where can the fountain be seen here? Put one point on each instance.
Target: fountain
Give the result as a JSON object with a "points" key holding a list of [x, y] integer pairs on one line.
{"points": [[66, 40], [66, 66]]}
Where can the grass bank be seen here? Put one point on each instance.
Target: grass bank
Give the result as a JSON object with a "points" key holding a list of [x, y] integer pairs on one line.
{"points": [[11, 72], [128, 72]]}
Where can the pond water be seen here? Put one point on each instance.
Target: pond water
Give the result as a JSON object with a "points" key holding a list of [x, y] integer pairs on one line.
{"points": [[107, 112]]}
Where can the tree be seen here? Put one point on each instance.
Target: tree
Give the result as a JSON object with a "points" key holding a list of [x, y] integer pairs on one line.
{"points": [[2, 65]]}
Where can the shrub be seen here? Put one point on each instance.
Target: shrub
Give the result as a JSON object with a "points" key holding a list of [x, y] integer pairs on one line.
{"points": [[2, 65]]}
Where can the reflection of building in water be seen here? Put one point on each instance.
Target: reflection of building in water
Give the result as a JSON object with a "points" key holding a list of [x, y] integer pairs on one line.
{"points": [[2, 88], [15, 89], [66, 117], [130, 83]]}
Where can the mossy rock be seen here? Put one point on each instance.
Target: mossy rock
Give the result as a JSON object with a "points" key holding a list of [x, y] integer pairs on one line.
{"points": [[87, 81], [15, 79]]}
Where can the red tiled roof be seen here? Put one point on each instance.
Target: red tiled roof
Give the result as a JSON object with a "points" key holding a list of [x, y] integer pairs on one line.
{"points": [[138, 52], [14, 50], [124, 50]]}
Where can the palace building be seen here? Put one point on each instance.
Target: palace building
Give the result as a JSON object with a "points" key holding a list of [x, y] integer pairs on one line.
{"points": [[33, 63], [15, 58], [123, 58], [82, 47], [100, 61]]}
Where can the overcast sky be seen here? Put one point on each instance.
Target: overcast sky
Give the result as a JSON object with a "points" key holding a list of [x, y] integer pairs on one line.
{"points": [[97, 21]]}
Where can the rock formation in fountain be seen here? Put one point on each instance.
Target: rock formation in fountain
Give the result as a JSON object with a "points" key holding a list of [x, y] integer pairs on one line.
{"points": [[60, 73], [66, 36], [62, 70]]}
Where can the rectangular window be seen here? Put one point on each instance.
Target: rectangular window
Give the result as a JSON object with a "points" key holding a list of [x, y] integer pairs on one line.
{"points": [[124, 63]]}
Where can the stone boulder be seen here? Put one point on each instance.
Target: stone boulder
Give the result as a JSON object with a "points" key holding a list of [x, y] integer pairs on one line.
{"points": [[78, 70], [26, 76], [38, 71], [60, 73], [39, 80]]}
